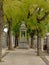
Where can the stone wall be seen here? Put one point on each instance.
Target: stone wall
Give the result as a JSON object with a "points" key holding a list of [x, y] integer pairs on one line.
{"points": [[4, 40]]}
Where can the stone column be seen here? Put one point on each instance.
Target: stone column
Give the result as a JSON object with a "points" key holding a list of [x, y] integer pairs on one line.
{"points": [[42, 44], [35, 42]]}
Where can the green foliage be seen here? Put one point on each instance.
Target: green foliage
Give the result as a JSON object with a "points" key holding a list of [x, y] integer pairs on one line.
{"points": [[16, 28], [18, 11]]}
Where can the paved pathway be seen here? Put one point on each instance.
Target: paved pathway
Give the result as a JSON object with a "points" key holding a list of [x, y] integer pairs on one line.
{"points": [[22, 57]]}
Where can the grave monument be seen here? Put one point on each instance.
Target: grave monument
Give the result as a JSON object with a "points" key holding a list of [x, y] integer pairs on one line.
{"points": [[23, 36]]}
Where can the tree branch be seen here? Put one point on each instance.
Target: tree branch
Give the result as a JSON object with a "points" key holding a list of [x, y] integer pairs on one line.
{"points": [[43, 18], [29, 14], [39, 19]]}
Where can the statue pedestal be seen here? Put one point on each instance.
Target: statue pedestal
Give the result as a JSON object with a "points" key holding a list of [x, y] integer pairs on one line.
{"points": [[23, 44]]}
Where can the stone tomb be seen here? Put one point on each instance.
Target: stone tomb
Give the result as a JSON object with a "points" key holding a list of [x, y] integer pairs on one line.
{"points": [[23, 36]]}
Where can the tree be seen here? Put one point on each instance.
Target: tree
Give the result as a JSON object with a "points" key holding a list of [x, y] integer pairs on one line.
{"points": [[10, 34], [32, 33], [10, 16], [1, 26], [36, 16], [41, 19], [16, 28]]}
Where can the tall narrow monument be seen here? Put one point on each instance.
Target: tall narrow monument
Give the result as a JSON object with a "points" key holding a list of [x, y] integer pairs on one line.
{"points": [[23, 36]]}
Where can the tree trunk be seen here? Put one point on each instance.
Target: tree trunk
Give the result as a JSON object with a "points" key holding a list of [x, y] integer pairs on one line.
{"points": [[16, 41], [47, 44], [0, 46], [38, 44], [1, 27], [32, 43], [9, 35], [27, 38]]}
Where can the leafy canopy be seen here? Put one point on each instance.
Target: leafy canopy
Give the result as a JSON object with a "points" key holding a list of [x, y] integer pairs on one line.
{"points": [[19, 10]]}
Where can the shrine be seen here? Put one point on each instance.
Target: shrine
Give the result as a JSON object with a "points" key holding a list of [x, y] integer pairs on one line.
{"points": [[23, 36]]}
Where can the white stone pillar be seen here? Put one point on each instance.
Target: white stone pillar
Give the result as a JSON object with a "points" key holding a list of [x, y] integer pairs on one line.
{"points": [[42, 43]]}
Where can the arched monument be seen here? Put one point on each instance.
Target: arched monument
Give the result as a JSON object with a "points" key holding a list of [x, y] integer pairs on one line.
{"points": [[23, 36]]}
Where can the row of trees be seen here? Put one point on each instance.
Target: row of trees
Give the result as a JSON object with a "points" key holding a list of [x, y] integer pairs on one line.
{"points": [[33, 12]]}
